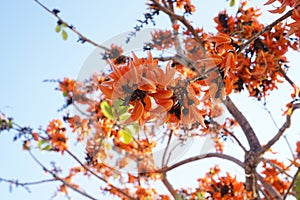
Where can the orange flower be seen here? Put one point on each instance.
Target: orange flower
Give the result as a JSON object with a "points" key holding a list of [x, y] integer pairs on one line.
{"points": [[222, 187], [163, 39], [67, 86], [57, 133], [175, 27], [186, 5], [210, 62], [282, 7], [136, 112], [225, 23], [114, 52], [141, 82], [137, 83], [220, 39], [185, 105], [273, 171], [229, 62]]}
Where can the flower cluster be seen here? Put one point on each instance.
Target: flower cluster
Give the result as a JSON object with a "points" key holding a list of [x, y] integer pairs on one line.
{"points": [[57, 133], [260, 66], [222, 187], [276, 175], [152, 92]]}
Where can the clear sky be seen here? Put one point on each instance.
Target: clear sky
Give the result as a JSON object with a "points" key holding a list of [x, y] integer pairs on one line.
{"points": [[31, 51]]}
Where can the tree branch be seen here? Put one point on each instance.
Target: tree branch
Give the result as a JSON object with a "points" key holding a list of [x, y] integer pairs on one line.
{"points": [[200, 157], [168, 185], [251, 157], [252, 139], [286, 77], [275, 124], [180, 18]]}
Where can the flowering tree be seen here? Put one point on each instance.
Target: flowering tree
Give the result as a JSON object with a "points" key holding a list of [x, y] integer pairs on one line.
{"points": [[125, 113]]}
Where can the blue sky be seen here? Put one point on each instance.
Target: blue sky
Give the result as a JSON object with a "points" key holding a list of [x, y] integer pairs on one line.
{"points": [[31, 51]]}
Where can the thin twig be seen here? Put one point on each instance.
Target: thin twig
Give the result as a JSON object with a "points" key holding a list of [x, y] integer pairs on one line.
{"points": [[166, 149], [99, 177], [16, 182], [26, 184], [171, 151], [275, 124], [286, 77], [79, 110], [231, 134], [264, 193], [236, 139], [280, 132], [82, 37]]}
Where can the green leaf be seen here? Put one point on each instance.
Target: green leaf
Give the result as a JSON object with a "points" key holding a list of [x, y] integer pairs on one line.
{"points": [[126, 135], [123, 110], [44, 145], [232, 3], [65, 93], [41, 143], [179, 197], [57, 28], [297, 187], [119, 109], [47, 148], [136, 127], [10, 123], [116, 175], [124, 116], [118, 104], [106, 109], [64, 35], [200, 196]]}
